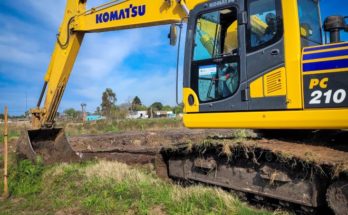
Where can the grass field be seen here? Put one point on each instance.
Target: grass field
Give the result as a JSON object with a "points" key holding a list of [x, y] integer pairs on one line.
{"points": [[104, 187], [101, 127]]}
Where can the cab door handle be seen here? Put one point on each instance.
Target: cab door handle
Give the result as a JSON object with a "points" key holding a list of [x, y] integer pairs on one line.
{"points": [[275, 52]]}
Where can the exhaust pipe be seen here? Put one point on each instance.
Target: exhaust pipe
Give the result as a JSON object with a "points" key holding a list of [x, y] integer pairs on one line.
{"points": [[49, 145], [333, 25]]}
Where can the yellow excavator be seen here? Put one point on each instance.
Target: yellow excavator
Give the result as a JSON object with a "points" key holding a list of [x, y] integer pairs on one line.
{"points": [[258, 64]]}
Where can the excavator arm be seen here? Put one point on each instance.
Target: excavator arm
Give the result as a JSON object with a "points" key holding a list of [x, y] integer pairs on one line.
{"points": [[58, 72], [43, 139], [114, 15]]}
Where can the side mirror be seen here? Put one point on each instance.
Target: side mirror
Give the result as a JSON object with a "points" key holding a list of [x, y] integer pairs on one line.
{"points": [[173, 35]]}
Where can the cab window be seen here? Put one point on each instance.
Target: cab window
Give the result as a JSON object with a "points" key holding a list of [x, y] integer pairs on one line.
{"points": [[215, 56], [265, 23], [310, 26], [216, 35]]}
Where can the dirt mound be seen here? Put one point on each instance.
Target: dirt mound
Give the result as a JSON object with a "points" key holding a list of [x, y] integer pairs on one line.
{"points": [[138, 146], [142, 140]]}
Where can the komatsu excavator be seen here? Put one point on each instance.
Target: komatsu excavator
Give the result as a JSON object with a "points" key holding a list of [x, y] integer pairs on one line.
{"points": [[258, 64]]}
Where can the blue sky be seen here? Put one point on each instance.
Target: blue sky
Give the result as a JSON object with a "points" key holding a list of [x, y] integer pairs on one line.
{"points": [[136, 62]]}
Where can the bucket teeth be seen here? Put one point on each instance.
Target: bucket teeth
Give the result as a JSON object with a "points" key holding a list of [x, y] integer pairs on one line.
{"points": [[49, 145]]}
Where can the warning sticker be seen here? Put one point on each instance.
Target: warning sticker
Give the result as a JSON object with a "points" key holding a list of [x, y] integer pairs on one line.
{"points": [[209, 70]]}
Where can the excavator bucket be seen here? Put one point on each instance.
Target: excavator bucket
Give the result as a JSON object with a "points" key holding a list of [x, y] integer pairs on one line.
{"points": [[50, 145]]}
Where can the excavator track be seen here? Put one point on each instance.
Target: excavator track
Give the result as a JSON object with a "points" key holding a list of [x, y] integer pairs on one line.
{"points": [[306, 179], [305, 175]]}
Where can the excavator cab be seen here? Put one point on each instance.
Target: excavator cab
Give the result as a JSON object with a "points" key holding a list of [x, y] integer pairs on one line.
{"points": [[269, 75]]}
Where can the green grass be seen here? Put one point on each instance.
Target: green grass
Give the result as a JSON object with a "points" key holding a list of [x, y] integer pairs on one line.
{"points": [[109, 188], [13, 133], [102, 127]]}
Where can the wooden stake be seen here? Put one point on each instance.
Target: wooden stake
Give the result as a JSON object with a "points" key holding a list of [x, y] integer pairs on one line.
{"points": [[6, 194]]}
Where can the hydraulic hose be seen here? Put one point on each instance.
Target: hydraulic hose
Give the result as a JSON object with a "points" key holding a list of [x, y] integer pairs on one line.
{"points": [[42, 94]]}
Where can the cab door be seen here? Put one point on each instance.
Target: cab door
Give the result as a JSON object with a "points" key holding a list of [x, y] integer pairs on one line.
{"points": [[215, 67], [265, 65]]}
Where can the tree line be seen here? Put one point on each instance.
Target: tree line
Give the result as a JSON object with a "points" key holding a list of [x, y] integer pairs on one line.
{"points": [[109, 109]]}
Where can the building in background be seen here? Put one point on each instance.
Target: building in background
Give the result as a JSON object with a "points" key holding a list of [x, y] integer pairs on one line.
{"points": [[164, 114], [138, 115], [92, 118]]}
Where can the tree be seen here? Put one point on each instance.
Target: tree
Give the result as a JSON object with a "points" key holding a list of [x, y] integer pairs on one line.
{"points": [[156, 106], [136, 103], [167, 108], [120, 113], [71, 113], [98, 111], [108, 102], [178, 109]]}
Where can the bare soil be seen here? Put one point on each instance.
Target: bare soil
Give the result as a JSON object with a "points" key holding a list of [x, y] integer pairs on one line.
{"points": [[142, 146], [142, 140], [138, 146]]}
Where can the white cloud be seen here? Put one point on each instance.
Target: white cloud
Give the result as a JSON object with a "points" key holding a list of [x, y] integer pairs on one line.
{"points": [[105, 60], [51, 11], [101, 53], [20, 42], [20, 56], [159, 86], [48, 12]]}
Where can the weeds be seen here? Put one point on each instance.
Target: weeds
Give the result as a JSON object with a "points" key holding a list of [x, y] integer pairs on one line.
{"points": [[102, 127], [242, 134], [13, 134], [226, 150], [110, 188], [25, 178]]}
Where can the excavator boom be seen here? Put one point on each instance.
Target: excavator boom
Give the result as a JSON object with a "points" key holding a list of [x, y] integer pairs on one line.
{"points": [[45, 140], [115, 15]]}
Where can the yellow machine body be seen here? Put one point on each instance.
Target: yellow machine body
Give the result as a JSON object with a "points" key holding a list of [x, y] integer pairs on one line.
{"points": [[126, 14], [291, 80]]}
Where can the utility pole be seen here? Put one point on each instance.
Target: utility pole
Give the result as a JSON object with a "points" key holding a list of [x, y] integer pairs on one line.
{"points": [[26, 106], [6, 194], [26, 101], [84, 115]]}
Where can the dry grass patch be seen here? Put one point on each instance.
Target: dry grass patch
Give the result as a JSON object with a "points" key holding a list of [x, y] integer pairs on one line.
{"points": [[116, 171], [180, 194]]}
